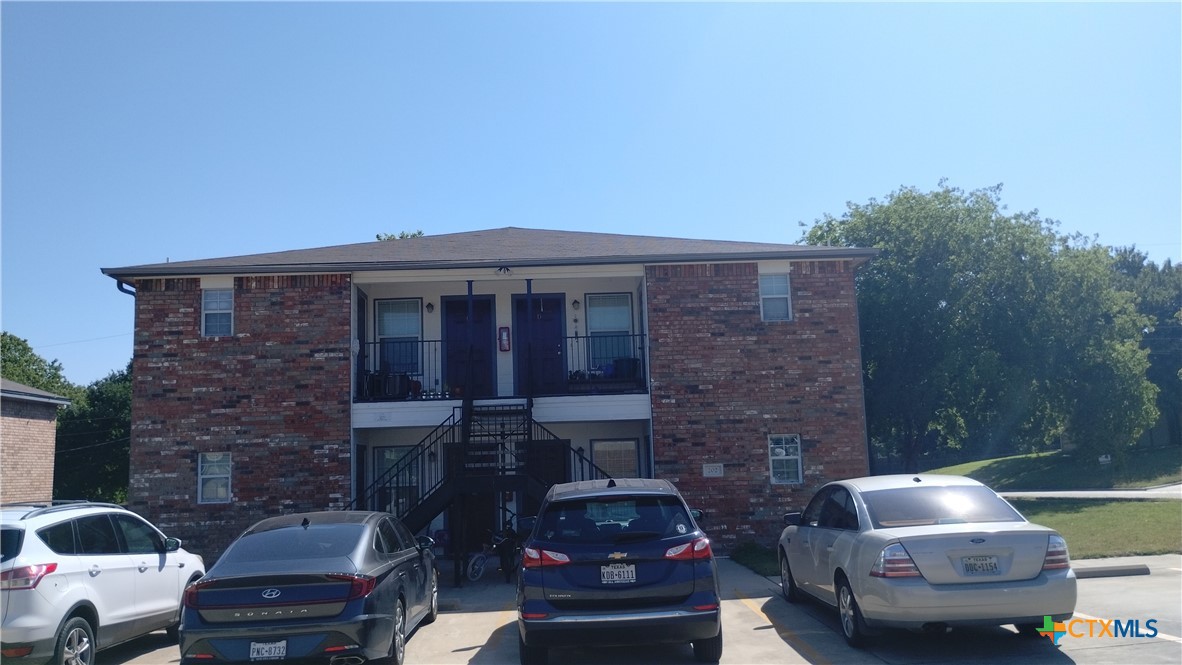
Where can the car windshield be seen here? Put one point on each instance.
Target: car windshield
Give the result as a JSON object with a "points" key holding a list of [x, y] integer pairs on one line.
{"points": [[613, 519], [296, 542], [920, 506], [10, 543]]}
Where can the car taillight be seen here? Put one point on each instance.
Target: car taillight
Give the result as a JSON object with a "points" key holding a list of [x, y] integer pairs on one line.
{"points": [[698, 549], [190, 598], [361, 585], [894, 561], [538, 558], [25, 577], [1056, 558]]}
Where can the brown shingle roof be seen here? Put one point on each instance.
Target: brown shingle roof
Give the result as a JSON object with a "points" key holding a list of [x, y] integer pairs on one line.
{"points": [[509, 246]]}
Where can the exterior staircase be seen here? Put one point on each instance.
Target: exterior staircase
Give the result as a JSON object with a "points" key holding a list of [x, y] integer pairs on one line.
{"points": [[477, 450]]}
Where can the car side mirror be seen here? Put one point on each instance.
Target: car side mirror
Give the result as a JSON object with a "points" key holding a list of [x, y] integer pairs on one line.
{"points": [[696, 514], [426, 543], [172, 544], [791, 519]]}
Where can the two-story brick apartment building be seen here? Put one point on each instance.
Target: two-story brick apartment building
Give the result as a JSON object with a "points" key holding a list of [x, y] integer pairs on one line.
{"points": [[452, 378]]}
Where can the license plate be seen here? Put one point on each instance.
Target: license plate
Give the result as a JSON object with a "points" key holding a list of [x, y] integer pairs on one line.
{"points": [[268, 650], [618, 573], [980, 565]]}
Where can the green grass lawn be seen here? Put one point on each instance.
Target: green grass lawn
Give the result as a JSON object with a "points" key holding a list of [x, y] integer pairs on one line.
{"points": [[1096, 528], [1062, 471]]}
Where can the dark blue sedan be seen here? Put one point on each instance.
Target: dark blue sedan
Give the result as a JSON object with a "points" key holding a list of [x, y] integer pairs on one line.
{"points": [[617, 562], [342, 587]]}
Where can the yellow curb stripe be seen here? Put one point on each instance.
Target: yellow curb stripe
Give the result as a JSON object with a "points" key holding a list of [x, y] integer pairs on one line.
{"points": [[1160, 635], [795, 641]]}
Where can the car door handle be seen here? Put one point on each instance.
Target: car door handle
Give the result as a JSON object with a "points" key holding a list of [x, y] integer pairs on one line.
{"points": [[95, 570]]}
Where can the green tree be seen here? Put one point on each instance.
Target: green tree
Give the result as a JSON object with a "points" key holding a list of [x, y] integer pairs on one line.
{"points": [[93, 442], [18, 362], [402, 235], [1159, 295], [987, 333]]}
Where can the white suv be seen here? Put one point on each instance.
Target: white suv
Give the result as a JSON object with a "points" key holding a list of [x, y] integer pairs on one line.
{"points": [[76, 577]]}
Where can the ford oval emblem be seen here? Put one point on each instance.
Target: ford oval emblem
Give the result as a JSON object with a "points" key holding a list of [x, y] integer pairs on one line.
{"points": [[975, 541], [271, 593]]}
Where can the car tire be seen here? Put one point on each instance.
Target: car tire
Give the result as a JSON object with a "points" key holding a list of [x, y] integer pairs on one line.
{"points": [[75, 643], [531, 655], [788, 586], [853, 625], [398, 648], [708, 651], [433, 607]]}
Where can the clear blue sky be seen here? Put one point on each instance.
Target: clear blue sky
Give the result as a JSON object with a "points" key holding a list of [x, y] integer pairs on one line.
{"points": [[143, 132]]}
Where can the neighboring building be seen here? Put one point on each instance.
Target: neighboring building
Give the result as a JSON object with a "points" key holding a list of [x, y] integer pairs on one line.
{"points": [[28, 429], [451, 379]]}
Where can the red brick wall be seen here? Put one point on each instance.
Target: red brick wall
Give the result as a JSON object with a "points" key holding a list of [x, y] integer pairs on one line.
{"points": [[30, 435], [723, 380], [275, 395]]}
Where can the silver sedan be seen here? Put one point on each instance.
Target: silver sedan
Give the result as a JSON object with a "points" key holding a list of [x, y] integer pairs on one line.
{"points": [[924, 552]]}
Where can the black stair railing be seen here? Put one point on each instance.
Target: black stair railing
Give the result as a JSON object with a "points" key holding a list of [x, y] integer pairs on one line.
{"points": [[417, 474]]}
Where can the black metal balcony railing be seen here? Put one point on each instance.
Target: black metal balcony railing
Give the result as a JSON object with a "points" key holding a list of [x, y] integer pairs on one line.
{"points": [[415, 369]]}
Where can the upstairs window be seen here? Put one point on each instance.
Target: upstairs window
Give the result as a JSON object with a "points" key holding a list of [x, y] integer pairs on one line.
{"points": [[609, 325], [213, 478], [217, 312], [785, 460], [775, 299], [400, 327]]}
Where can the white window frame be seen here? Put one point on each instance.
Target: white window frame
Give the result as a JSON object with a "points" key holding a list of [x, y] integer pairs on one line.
{"points": [[213, 467], [775, 287], [597, 329], [217, 302], [785, 455], [412, 364]]}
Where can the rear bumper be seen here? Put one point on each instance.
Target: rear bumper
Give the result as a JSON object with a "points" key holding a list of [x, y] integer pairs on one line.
{"points": [[368, 636], [621, 629], [912, 603]]}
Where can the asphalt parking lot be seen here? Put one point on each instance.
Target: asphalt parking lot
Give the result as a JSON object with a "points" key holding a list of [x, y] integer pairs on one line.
{"points": [[477, 625]]}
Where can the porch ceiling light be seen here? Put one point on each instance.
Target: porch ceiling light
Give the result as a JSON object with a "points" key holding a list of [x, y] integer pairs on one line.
{"points": [[504, 270]]}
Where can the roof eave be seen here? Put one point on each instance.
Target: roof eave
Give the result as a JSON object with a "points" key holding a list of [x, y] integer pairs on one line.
{"points": [[857, 255]]}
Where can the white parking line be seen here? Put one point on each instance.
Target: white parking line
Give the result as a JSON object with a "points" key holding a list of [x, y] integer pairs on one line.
{"points": [[1160, 635]]}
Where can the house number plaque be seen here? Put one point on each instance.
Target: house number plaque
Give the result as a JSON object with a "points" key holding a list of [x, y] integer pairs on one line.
{"points": [[712, 470]]}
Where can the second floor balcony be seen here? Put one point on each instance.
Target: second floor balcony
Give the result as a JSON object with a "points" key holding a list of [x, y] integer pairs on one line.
{"points": [[413, 369]]}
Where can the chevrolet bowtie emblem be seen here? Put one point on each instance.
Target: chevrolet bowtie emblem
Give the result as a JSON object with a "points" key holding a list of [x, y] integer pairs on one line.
{"points": [[618, 555]]}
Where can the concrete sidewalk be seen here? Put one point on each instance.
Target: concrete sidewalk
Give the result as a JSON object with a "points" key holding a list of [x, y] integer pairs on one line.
{"points": [[1168, 492]]}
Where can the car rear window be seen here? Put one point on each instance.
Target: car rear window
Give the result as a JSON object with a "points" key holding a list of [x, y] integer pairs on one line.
{"points": [[322, 541], [613, 519], [10, 543], [921, 506]]}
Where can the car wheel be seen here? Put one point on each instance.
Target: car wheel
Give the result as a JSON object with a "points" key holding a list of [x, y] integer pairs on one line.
{"points": [[530, 655], [433, 610], [708, 651], [788, 583], [75, 643], [399, 646], [853, 626]]}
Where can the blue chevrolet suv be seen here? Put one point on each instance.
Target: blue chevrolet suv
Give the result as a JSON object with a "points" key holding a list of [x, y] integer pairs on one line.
{"points": [[617, 562]]}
